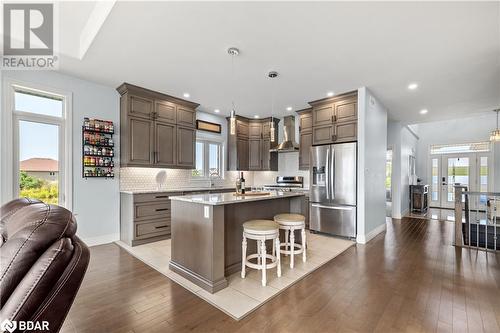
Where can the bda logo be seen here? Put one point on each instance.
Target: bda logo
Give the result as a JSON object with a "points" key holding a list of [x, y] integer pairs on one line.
{"points": [[8, 326]]}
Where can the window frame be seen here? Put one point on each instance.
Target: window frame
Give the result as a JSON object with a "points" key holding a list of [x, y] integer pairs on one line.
{"points": [[10, 139], [206, 158]]}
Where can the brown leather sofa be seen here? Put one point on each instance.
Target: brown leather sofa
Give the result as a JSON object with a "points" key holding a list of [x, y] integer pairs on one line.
{"points": [[42, 262]]}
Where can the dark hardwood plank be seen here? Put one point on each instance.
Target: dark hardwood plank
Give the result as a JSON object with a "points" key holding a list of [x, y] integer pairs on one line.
{"points": [[410, 279]]}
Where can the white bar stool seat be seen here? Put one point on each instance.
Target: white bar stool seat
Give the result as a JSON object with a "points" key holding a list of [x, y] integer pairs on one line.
{"points": [[290, 223], [261, 230]]}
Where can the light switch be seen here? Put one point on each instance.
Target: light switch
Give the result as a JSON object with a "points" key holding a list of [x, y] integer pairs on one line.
{"points": [[206, 212]]}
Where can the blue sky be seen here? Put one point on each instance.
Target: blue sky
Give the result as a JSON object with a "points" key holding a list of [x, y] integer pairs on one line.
{"points": [[36, 139]]}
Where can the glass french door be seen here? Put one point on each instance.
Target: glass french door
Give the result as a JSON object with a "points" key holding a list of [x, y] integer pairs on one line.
{"points": [[470, 169]]}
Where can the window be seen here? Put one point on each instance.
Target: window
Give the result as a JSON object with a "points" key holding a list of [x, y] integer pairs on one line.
{"points": [[41, 149], [209, 157], [460, 148]]}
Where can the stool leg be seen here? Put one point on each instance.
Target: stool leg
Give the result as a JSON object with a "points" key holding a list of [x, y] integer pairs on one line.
{"points": [[286, 240], [263, 253], [274, 249], [278, 256], [243, 256], [303, 244], [258, 252], [292, 247]]}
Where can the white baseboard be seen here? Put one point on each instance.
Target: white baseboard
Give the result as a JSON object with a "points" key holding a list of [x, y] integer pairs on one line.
{"points": [[99, 240], [363, 239]]}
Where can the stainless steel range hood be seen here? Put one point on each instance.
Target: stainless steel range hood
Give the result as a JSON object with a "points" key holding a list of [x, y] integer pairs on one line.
{"points": [[288, 144]]}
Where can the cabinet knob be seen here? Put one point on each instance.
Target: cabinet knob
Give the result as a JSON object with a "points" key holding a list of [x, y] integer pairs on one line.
{"points": [[334, 137]]}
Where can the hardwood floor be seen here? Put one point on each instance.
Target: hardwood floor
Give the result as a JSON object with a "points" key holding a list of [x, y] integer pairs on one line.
{"points": [[410, 279]]}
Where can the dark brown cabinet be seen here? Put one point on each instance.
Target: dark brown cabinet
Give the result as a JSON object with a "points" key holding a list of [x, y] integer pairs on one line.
{"points": [[334, 119], [157, 130], [305, 135], [242, 154], [140, 150], [249, 148], [185, 149], [165, 140]]}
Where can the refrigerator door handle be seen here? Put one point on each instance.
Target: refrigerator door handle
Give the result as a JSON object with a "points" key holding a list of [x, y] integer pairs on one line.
{"points": [[333, 207], [332, 173], [327, 176]]}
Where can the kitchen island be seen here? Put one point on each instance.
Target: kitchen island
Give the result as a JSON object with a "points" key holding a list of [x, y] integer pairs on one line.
{"points": [[207, 232]]}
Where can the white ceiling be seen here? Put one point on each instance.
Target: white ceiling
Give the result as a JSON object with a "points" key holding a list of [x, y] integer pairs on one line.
{"points": [[451, 49]]}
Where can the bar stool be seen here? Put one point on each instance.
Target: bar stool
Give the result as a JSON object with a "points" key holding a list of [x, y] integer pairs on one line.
{"points": [[261, 230], [290, 223]]}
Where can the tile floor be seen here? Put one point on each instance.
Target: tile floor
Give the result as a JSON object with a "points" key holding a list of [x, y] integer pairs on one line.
{"points": [[243, 296]]}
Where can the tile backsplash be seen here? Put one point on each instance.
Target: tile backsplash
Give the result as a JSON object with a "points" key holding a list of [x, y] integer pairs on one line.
{"points": [[146, 178]]}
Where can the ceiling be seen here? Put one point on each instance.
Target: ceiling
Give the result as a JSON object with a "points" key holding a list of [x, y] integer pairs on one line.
{"points": [[452, 50]]}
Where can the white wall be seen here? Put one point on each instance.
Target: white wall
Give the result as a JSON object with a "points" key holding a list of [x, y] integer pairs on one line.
{"points": [[394, 129], [408, 148], [462, 130], [96, 202], [372, 146]]}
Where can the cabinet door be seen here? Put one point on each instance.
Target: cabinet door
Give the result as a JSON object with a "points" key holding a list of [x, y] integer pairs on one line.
{"points": [[304, 148], [165, 111], [242, 154], [140, 107], [346, 110], [165, 137], [306, 122], [242, 129], [323, 115], [186, 140], [346, 131], [186, 117], [255, 130], [323, 134], [266, 155], [255, 157], [266, 129], [140, 140]]}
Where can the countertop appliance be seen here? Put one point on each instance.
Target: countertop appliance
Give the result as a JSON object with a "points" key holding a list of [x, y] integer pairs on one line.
{"points": [[286, 184], [333, 189]]}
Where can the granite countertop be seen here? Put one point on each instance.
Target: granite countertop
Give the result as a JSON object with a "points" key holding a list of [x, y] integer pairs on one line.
{"points": [[229, 198], [177, 190]]}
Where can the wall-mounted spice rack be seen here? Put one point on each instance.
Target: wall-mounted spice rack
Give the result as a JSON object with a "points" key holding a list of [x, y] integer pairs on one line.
{"points": [[97, 148]]}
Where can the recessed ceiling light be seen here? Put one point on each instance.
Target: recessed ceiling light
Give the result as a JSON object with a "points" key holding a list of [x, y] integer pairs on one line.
{"points": [[216, 110], [413, 86], [330, 93], [289, 108], [424, 111], [256, 116], [186, 95]]}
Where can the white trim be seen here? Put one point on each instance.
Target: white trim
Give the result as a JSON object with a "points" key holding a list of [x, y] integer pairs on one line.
{"points": [[363, 239], [9, 118], [100, 240], [206, 141]]}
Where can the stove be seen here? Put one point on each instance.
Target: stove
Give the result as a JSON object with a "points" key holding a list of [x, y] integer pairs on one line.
{"points": [[286, 184]]}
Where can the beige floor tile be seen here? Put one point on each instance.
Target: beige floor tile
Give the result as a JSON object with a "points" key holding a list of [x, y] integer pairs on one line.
{"points": [[231, 301]]}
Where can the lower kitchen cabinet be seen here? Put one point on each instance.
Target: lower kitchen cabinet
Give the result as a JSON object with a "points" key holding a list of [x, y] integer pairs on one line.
{"points": [[144, 217]]}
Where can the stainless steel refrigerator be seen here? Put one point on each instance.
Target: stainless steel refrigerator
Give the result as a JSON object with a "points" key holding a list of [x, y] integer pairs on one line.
{"points": [[333, 189]]}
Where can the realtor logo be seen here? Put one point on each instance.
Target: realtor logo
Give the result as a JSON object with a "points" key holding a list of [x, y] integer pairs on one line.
{"points": [[28, 36], [8, 326]]}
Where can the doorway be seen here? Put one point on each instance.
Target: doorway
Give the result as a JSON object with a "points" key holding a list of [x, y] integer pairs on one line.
{"points": [[465, 168]]}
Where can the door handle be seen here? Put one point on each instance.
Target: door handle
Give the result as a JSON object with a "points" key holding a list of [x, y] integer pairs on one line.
{"points": [[332, 207]]}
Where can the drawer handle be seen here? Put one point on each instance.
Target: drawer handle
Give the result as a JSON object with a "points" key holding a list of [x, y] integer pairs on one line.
{"points": [[161, 227], [161, 196], [161, 209]]}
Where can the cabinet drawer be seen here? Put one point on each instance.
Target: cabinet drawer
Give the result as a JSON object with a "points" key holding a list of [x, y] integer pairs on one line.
{"points": [[153, 197], [151, 229], [148, 210]]}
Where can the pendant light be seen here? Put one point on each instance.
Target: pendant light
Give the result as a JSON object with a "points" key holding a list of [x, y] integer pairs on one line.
{"points": [[272, 75], [233, 52], [495, 135]]}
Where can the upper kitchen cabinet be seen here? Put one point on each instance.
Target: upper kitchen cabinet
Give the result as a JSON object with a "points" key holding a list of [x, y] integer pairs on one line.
{"points": [[157, 130], [305, 135], [249, 148], [334, 119]]}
